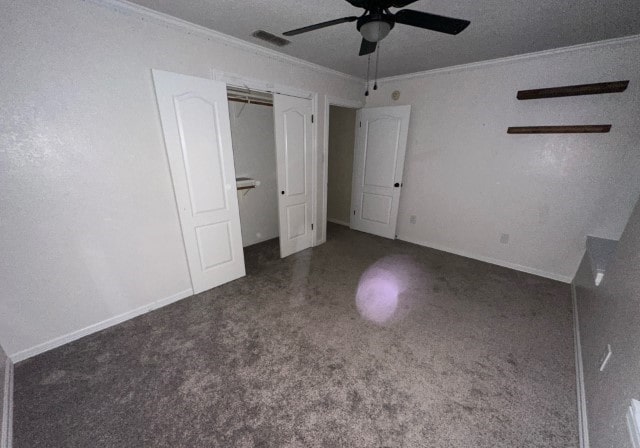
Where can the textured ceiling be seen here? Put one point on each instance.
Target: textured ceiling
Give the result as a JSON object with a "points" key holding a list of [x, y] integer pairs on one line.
{"points": [[498, 28]]}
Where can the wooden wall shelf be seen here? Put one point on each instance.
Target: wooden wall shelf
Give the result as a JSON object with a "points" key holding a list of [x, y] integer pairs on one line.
{"points": [[582, 89], [587, 129]]}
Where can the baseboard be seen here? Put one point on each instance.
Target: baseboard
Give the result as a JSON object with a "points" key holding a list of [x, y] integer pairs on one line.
{"points": [[504, 264], [6, 433], [337, 221], [57, 342], [583, 429]]}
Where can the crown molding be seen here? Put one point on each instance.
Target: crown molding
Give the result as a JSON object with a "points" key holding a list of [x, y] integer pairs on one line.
{"points": [[132, 9], [516, 58], [147, 14]]}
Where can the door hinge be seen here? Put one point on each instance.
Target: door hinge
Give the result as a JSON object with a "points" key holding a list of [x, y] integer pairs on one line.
{"points": [[311, 118], [361, 124], [354, 213], [311, 226]]}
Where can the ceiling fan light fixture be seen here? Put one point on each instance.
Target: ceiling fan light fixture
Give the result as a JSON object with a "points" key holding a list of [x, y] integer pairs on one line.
{"points": [[375, 30]]}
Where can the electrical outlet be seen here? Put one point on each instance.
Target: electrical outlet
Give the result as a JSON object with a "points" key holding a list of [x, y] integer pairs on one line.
{"points": [[413, 219], [504, 238], [604, 358]]}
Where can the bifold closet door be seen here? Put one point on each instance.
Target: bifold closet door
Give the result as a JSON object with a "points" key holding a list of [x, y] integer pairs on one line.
{"points": [[293, 122], [197, 133], [378, 165]]}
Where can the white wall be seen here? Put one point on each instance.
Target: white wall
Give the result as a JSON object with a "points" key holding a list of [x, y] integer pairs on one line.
{"points": [[342, 134], [468, 182], [254, 156], [610, 314], [88, 222]]}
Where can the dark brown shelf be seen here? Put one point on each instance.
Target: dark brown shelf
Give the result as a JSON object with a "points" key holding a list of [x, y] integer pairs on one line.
{"points": [[583, 89], [587, 129]]}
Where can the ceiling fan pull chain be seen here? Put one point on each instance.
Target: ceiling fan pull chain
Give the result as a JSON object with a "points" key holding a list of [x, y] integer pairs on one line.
{"points": [[375, 83], [366, 93]]}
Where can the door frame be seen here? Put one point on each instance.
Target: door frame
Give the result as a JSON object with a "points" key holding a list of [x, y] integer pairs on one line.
{"points": [[328, 102], [237, 80]]}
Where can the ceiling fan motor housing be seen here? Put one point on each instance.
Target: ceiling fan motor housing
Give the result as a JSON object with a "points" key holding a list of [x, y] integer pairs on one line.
{"points": [[373, 18]]}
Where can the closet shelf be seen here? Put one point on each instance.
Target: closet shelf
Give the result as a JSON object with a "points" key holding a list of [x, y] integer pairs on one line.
{"points": [[583, 129], [246, 183], [577, 90]]}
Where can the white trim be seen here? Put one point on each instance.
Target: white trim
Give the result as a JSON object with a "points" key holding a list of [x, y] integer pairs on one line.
{"points": [[583, 427], [339, 222], [128, 8], [314, 171], [505, 264], [328, 102], [132, 9], [74, 335], [237, 80], [516, 58], [6, 434]]}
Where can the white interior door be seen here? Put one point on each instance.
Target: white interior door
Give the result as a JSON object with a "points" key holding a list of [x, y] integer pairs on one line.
{"points": [[378, 163], [293, 123], [195, 121]]}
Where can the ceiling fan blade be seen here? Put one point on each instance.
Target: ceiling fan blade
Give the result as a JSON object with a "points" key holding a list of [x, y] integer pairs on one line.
{"points": [[357, 3], [317, 26], [431, 21], [367, 47], [402, 3]]}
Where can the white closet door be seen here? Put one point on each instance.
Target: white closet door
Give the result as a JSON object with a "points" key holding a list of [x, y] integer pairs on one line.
{"points": [[293, 123], [195, 121], [381, 143]]}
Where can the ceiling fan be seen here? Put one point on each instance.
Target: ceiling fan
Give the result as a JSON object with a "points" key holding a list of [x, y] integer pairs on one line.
{"points": [[377, 21]]}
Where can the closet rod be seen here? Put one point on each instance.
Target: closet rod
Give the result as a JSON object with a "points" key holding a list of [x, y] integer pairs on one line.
{"points": [[244, 100]]}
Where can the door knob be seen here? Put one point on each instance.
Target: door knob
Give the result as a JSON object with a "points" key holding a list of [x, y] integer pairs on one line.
{"points": [[397, 184], [282, 192]]}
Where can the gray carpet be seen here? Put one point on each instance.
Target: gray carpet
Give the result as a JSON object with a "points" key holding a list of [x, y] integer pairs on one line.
{"points": [[435, 350]]}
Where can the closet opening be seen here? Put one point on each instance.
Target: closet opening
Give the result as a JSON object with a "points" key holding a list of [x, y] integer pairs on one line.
{"points": [[254, 153], [342, 125]]}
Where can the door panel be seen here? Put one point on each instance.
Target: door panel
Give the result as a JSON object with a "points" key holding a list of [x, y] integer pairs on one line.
{"points": [[379, 162], [381, 140], [195, 122], [213, 245], [376, 208], [198, 129], [296, 220], [295, 154], [293, 149]]}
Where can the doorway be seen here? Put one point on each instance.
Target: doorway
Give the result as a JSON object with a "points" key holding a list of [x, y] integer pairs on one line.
{"points": [[378, 143], [254, 155], [196, 122], [378, 166], [272, 145], [342, 123]]}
